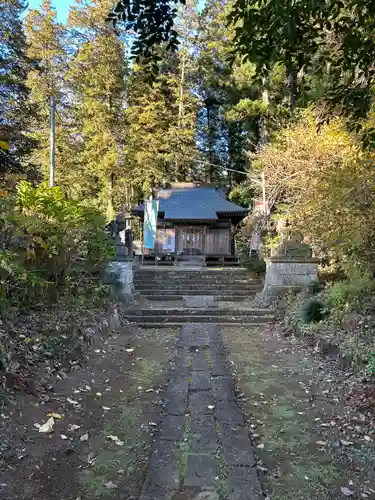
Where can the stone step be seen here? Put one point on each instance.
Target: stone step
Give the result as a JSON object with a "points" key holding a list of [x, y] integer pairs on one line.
{"points": [[199, 312], [219, 298], [195, 278], [223, 324], [178, 270], [199, 319], [211, 292], [197, 286], [183, 271]]}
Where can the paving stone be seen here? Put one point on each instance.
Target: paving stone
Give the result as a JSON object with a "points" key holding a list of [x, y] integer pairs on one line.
{"points": [[202, 434], [179, 375], [217, 347], [155, 492], [243, 484], [182, 360], [223, 389], [193, 337], [213, 332], [200, 381], [162, 475], [182, 369], [175, 403], [207, 495], [198, 361], [175, 400], [201, 471], [172, 427], [229, 412], [200, 401], [237, 449], [220, 365]]}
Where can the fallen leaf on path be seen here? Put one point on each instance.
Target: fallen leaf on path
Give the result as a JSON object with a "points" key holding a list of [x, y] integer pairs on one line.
{"points": [[346, 443], [54, 415], [345, 491], [73, 402], [73, 427], [47, 428], [111, 486], [116, 440]]}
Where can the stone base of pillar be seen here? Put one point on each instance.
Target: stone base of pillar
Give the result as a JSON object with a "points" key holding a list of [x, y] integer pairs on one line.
{"points": [[284, 275], [120, 274]]}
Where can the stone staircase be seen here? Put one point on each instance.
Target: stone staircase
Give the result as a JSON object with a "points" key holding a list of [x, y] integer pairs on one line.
{"points": [[177, 317], [199, 294], [174, 284]]}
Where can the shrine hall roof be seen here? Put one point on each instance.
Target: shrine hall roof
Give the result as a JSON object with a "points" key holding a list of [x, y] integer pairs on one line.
{"points": [[187, 201]]}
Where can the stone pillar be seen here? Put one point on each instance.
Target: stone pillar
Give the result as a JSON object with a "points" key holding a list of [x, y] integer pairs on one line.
{"points": [[129, 242], [284, 275], [120, 274], [290, 267]]}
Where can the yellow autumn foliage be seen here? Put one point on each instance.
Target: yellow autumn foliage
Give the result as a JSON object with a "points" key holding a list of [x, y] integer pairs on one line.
{"points": [[328, 182]]}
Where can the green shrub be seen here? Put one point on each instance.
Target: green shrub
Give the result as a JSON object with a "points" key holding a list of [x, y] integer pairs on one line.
{"points": [[314, 288], [256, 265], [348, 294], [371, 364], [313, 311], [43, 236]]}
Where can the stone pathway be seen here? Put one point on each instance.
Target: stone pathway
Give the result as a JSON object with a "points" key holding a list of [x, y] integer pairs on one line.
{"points": [[202, 450]]}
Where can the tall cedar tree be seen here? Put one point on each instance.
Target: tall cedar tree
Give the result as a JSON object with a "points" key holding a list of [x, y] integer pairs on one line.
{"points": [[46, 45], [15, 110], [97, 83], [161, 120]]}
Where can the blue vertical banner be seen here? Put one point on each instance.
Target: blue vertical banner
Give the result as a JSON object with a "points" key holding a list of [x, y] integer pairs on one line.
{"points": [[150, 222]]}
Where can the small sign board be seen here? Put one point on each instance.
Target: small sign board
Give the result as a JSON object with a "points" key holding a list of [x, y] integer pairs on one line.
{"points": [[260, 208]]}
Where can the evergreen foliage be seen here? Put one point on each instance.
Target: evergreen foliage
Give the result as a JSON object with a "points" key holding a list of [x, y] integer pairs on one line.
{"points": [[16, 111]]}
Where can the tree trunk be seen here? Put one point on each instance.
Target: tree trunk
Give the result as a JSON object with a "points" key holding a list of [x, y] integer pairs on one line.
{"points": [[292, 83], [180, 172], [210, 146]]}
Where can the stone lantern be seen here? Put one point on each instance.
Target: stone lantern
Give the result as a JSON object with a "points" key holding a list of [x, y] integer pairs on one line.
{"points": [[123, 235], [290, 266]]}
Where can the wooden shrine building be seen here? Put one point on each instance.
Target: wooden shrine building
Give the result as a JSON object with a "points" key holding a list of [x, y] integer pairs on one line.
{"points": [[195, 222]]}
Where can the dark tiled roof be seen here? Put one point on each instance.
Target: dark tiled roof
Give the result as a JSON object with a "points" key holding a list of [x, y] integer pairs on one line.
{"points": [[194, 203]]}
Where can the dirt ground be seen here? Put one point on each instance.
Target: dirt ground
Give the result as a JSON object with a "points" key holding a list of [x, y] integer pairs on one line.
{"points": [[105, 412], [312, 439]]}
